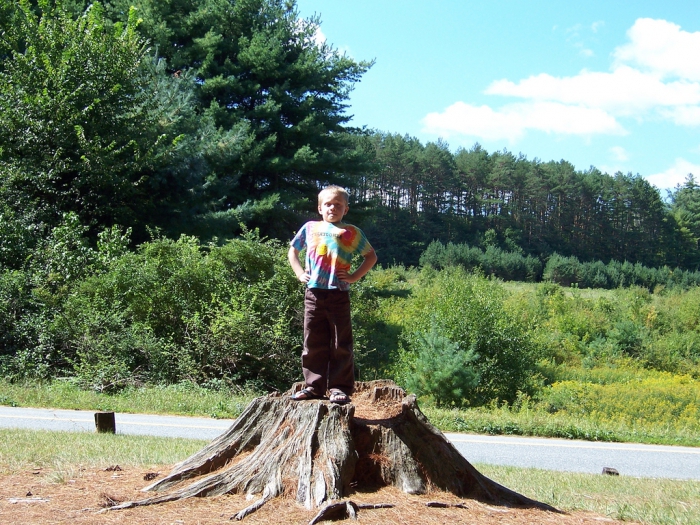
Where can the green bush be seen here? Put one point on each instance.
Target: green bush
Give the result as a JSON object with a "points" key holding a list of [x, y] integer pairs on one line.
{"points": [[567, 271], [561, 270], [506, 265], [176, 310], [660, 398], [440, 369], [677, 352], [470, 311]]}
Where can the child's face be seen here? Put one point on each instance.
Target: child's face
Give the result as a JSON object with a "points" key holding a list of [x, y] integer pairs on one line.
{"points": [[333, 207]]}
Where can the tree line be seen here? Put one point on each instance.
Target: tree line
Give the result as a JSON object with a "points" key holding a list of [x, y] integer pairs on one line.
{"points": [[564, 271], [203, 116], [420, 193]]}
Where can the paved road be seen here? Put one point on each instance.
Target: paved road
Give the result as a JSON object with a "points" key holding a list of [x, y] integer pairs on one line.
{"points": [[629, 459], [550, 454], [84, 421]]}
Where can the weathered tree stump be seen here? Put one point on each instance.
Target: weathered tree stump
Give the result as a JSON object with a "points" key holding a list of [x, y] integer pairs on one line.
{"points": [[319, 452]]}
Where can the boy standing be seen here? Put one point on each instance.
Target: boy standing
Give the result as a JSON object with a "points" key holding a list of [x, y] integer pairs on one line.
{"points": [[327, 358]]}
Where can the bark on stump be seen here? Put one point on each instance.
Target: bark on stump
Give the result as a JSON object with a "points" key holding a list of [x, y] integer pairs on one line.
{"points": [[318, 452]]}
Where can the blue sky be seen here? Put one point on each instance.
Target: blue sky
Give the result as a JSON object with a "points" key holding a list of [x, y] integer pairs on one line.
{"points": [[615, 85]]}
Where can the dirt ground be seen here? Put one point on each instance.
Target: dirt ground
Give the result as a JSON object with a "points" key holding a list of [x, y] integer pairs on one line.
{"points": [[83, 496], [41, 496]]}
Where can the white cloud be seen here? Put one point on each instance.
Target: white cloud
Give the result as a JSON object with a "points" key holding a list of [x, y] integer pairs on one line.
{"points": [[619, 153], [663, 48], [674, 175], [683, 115], [319, 37], [656, 75], [513, 120], [625, 91], [597, 25]]}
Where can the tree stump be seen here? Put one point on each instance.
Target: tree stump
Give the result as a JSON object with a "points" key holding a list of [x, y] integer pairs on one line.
{"points": [[318, 452]]}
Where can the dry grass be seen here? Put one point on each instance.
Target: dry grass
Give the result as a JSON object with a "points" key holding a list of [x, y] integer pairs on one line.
{"points": [[82, 498]]}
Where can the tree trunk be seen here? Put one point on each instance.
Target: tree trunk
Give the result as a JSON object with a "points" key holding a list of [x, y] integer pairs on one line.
{"points": [[318, 451]]}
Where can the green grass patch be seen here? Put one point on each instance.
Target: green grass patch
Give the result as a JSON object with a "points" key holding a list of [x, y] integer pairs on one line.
{"points": [[645, 500], [22, 449], [179, 399]]}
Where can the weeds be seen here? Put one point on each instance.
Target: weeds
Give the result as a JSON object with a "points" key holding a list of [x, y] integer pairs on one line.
{"points": [[179, 399]]}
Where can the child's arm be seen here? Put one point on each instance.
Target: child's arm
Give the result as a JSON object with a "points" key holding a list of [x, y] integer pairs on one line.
{"points": [[293, 256], [366, 266]]}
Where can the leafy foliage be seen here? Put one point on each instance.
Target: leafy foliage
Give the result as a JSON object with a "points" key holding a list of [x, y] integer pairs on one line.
{"points": [[469, 310], [177, 311], [509, 266], [441, 369], [90, 123], [662, 399], [568, 271]]}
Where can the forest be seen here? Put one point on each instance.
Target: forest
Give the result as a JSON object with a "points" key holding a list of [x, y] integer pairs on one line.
{"points": [[156, 158], [201, 116]]}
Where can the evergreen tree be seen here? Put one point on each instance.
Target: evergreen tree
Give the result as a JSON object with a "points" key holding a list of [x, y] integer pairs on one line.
{"points": [[257, 61], [685, 209]]}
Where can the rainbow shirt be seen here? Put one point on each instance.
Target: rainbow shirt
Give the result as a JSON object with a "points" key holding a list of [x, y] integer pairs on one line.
{"points": [[328, 248]]}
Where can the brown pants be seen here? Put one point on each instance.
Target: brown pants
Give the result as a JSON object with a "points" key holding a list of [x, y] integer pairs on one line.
{"points": [[327, 359]]}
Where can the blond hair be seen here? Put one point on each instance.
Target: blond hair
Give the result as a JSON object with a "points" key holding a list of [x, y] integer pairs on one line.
{"points": [[334, 190]]}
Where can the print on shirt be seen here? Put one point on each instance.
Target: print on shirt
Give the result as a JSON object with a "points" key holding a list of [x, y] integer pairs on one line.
{"points": [[328, 249]]}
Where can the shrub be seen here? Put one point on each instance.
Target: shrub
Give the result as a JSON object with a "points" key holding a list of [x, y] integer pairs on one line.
{"points": [[628, 336], [658, 399], [441, 369], [561, 270], [469, 310], [677, 352], [178, 311], [509, 266]]}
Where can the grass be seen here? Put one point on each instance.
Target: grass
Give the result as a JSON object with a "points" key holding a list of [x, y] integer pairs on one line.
{"points": [[507, 421], [181, 399], [22, 449], [649, 501], [652, 501]]}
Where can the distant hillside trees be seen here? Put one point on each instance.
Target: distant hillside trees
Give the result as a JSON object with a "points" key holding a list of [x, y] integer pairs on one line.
{"points": [[425, 193]]}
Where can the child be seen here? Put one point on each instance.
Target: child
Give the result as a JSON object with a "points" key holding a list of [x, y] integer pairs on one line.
{"points": [[327, 358]]}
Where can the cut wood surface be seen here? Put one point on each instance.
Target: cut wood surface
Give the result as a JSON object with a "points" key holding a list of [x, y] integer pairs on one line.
{"points": [[319, 452]]}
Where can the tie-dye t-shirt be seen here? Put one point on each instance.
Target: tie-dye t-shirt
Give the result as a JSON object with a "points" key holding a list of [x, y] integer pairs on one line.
{"points": [[328, 248]]}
